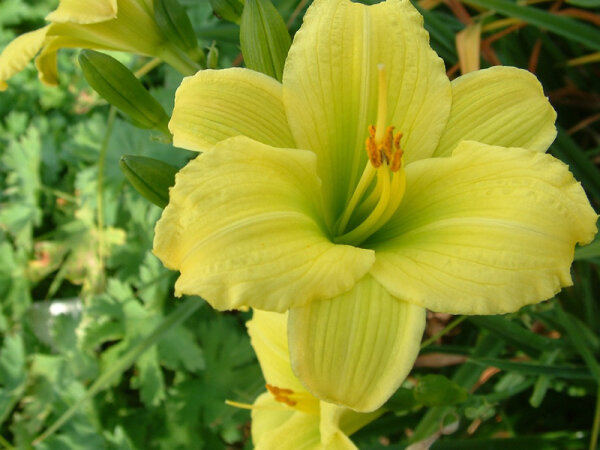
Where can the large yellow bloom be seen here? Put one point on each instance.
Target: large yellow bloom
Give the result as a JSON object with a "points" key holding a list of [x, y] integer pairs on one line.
{"points": [[287, 416], [464, 213], [125, 25]]}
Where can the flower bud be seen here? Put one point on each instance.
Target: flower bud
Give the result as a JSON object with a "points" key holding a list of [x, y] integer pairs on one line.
{"points": [[230, 10], [264, 38], [174, 22], [150, 177], [119, 87]]}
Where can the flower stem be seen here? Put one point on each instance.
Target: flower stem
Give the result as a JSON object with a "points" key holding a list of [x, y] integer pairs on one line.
{"points": [[596, 425], [456, 322], [179, 60]]}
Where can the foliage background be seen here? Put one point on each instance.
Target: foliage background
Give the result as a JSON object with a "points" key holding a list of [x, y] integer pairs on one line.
{"points": [[82, 298]]}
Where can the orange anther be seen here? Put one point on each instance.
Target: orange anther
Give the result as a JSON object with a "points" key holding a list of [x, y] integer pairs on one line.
{"points": [[396, 160], [372, 131], [397, 140], [387, 143], [373, 152]]}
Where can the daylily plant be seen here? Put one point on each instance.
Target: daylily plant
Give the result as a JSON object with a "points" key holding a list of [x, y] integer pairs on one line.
{"points": [[287, 416], [124, 25], [365, 188]]}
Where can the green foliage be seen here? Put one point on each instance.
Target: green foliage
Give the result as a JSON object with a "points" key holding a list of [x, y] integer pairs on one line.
{"points": [[95, 351]]}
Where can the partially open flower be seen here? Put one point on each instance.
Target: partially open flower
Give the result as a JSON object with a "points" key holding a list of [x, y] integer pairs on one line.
{"points": [[124, 25], [288, 416]]}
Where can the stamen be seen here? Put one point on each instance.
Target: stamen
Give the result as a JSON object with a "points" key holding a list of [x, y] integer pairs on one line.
{"points": [[302, 401], [373, 152], [387, 143]]}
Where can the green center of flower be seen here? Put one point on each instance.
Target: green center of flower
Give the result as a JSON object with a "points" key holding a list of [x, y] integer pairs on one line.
{"points": [[381, 186]]}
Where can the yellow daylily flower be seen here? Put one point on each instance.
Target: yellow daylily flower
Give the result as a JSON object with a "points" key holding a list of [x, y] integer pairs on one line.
{"points": [[288, 416], [460, 211], [124, 25]]}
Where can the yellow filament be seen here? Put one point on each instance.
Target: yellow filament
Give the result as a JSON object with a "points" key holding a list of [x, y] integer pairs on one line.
{"points": [[363, 184], [358, 234]]}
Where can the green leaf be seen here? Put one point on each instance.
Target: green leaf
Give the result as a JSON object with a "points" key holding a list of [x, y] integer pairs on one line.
{"points": [[578, 338], [174, 22], [437, 390], [589, 251], [402, 400], [264, 38], [534, 368], [150, 177], [515, 334], [584, 170], [585, 3], [119, 87], [12, 373], [182, 312], [563, 26]]}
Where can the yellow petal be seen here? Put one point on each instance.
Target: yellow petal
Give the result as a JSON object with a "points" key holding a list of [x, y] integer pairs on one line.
{"points": [[267, 416], [337, 423], [502, 106], [486, 231], [84, 12], [330, 86], [214, 105], [243, 227], [355, 349], [19, 52], [275, 429], [268, 334]]}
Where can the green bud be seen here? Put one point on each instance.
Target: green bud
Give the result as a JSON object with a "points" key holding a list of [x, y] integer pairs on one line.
{"points": [[119, 87], [150, 177], [174, 22], [212, 61], [230, 10], [264, 38]]}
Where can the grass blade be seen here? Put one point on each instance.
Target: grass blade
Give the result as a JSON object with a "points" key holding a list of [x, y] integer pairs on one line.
{"points": [[563, 26]]}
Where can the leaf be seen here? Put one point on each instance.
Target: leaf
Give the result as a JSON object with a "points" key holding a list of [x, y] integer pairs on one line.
{"points": [[533, 368], [13, 373], [517, 335], [178, 350], [563, 26], [437, 390], [584, 170]]}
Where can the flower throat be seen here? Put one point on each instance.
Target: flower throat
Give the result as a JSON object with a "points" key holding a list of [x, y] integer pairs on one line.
{"points": [[381, 186]]}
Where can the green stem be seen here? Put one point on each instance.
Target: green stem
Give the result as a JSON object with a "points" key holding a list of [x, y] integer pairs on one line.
{"points": [[596, 425], [100, 187], [180, 314], [445, 330], [179, 60], [7, 445]]}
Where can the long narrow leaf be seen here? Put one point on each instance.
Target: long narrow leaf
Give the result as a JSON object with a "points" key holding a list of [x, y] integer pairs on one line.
{"points": [[563, 26]]}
